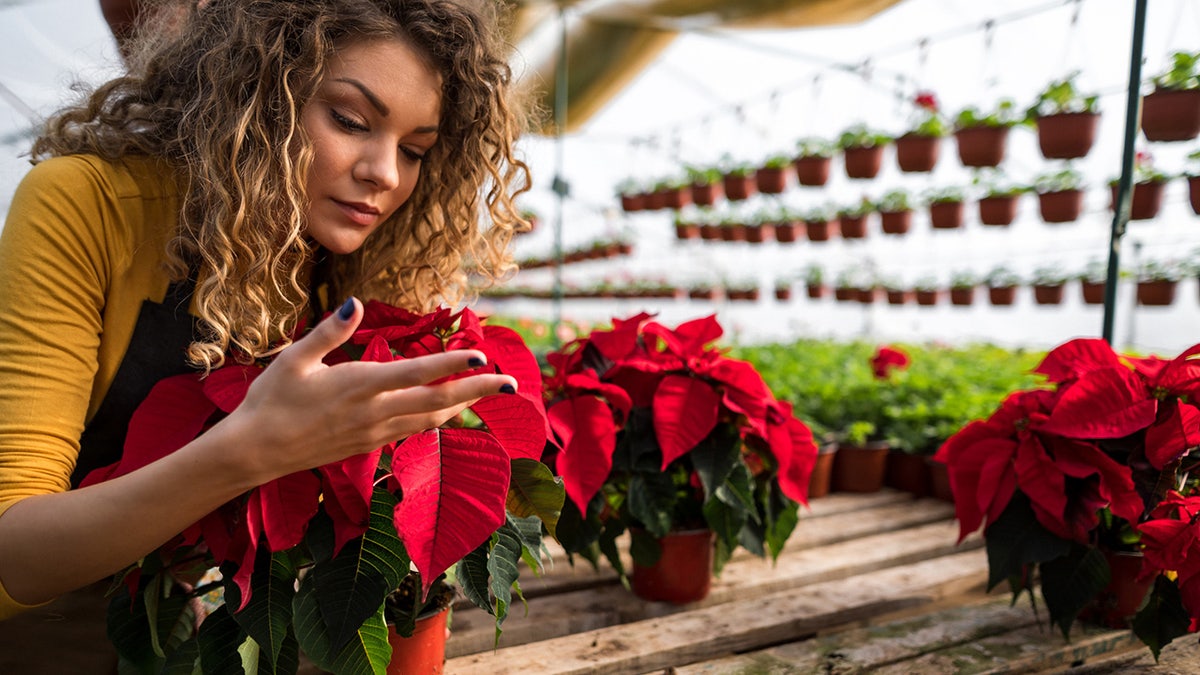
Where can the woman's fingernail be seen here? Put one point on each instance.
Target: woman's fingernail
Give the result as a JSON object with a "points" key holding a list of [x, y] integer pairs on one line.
{"points": [[476, 362], [507, 389], [347, 310]]}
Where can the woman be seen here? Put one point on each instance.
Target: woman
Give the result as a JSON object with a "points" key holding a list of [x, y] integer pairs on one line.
{"points": [[261, 158]]}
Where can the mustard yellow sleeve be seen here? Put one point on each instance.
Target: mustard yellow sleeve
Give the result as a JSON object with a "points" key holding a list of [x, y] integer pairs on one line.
{"points": [[54, 268]]}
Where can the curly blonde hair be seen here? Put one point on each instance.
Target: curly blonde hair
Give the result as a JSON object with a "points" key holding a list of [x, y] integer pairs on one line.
{"points": [[217, 92]]}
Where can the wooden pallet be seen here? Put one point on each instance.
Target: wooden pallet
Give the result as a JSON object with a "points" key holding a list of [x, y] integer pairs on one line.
{"points": [[866, 583]]}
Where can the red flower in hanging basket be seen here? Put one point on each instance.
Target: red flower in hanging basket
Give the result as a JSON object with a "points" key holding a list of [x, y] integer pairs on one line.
{"points": [[887, 359]]}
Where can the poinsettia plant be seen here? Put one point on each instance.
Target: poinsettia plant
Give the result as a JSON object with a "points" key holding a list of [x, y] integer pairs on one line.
{"points": [[659, 431], [307, 561], [1097, 462]]}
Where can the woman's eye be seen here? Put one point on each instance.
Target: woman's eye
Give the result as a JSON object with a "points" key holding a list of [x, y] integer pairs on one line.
{"points": [[412, 155], [345, 122]]}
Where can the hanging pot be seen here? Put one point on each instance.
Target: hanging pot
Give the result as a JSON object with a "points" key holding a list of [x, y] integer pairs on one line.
{"points": [[771, 180], [863, 162], [946, 215], [683, 572], [1093, 293], [1146, 202], [998, 209], [756, 233], [677, 198], [705, 194], [853, 227], [710, 232], [860, 468], [1002, 295], [1066, 135], [783, 293], [898, 296], [738, 187], [916, 153], [845, 294], [786, 232], [813, 171], [1062, 206], [633, 202], [818, 230], [866, 296], [1156, 293], [981, 145], [962, 296], [1171, 115], [927, 298], [1194, 193], [424, 653], [815, 291], [895, 222], [687, 231], [1047, 294]]}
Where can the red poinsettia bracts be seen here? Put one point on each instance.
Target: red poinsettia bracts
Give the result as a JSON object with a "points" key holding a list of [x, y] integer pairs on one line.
{"points": [[690, 388], [1171, 543], [454, 481]]}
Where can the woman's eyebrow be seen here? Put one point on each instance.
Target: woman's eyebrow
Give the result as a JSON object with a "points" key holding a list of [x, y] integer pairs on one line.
{"points": [[367, 93]]}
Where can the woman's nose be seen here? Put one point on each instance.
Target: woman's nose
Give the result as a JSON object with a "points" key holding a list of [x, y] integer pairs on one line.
{"points": [[380, 168]]}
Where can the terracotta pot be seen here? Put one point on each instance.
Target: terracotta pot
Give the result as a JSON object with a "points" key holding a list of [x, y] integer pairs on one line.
{"points": [[946, 215], [845, 294], [1194, 193], [687, 231], [1002, 295], [867, 296], [682, 574], [818, 230], [813, 170], [822, 475], [771, 180], [633, 202], [733, 232], [787, 232], [998, 209], [853, 227], [917, 154], [710, 232], [1066, 135], [927, 298], [1120, 600], [656, 200], [895, 222], [1063, 206], [860, 468], [939, 481], [756, 233], [1158, 293], [896, 296], [424, 652], [678, 198], [1146, 202], [907, 472], [1048, 294], [705, 194], [863, 162], [738, 187], [1093, 293], [1171, 115], [962, 296], [815, 290], [982, 145], [702, 294], [783, 293]]}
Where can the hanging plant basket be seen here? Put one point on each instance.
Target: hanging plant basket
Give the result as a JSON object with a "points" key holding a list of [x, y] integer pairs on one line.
{"points": [[899, 296], [962, 296], [1157, 293], [982, 145], [867, 296], [786, 232], [677, 198], [1146, 202], [685, 231], [1061, 206], [771, 180], [927, 298], [1093, 292], [818, 230], [1067, 135], [702, 293], [1002, 295], [733, 232], [845, 294], [738, 187], [633, 202], [853, 227], [813, 171], [863, 163], [895, 222], [705, 194], [1194, 193], [783, 293], [998, 209], [1044, 294], [815, 291], [756, 233], [1171, 115], [710, 232], [946, 215], [916, 153]]}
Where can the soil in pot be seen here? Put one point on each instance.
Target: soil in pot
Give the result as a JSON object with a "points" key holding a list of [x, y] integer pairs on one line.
{"points": [[683, 572], [860, 468]]}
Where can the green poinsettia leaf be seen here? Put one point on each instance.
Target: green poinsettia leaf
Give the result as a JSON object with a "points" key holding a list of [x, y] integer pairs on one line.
{"points": [[752, 537], [727, 520], [218, 631], [607, 545], [287, 662], [738, 491], [131, 626], [353, 584], [577, 532], [268, 614], [644, 547], [1163, 617], [529, 531], [171, 618], [1017, 539], [637, 450], [651, 501], [502, 566], [473, 576], [714, 459], [183, 660], [783, 515], [366, 653], [1071, 582], [534, 490]]}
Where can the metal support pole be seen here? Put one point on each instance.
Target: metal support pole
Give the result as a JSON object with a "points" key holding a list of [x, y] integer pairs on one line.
{"points": [[1122, 204], [560, 184]]}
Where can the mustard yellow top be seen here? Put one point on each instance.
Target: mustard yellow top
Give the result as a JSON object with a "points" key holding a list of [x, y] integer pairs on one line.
{"points": [[81, 249]]}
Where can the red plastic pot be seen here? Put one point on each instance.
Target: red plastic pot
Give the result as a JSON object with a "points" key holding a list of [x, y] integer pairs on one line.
{"points": [[1066, 135], [1062, 206], [1171, 115], [907, 472], [863, 162], [738, 187], [813, 171], [1093, 293], [1002, 295], [998, 209], [927, 298], [771, 180], [818, 230], [1159, 293], [853, 227], [897, 296], [946, 215], [982, 145], [786, 232], [705, 194], [917, 154], [895, 222], [962, 296], [1048, 295], [424, 653], [1146, 202], [682, 574], [1116, 605], [821, 479], [860, 468]]}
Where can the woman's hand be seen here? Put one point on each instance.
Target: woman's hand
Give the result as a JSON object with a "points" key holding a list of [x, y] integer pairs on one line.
{"points": [[301, 413]]}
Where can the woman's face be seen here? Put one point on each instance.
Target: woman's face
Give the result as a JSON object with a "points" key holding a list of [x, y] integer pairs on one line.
{"points": [[374, 117]]}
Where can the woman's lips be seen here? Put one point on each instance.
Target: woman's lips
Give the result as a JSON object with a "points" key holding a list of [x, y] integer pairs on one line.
{"points": [[359, 214]]}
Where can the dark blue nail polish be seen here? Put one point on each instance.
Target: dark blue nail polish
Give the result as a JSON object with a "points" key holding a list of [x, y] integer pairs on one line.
{"points": [[507, 389], [476, 362], [347, 310]]}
